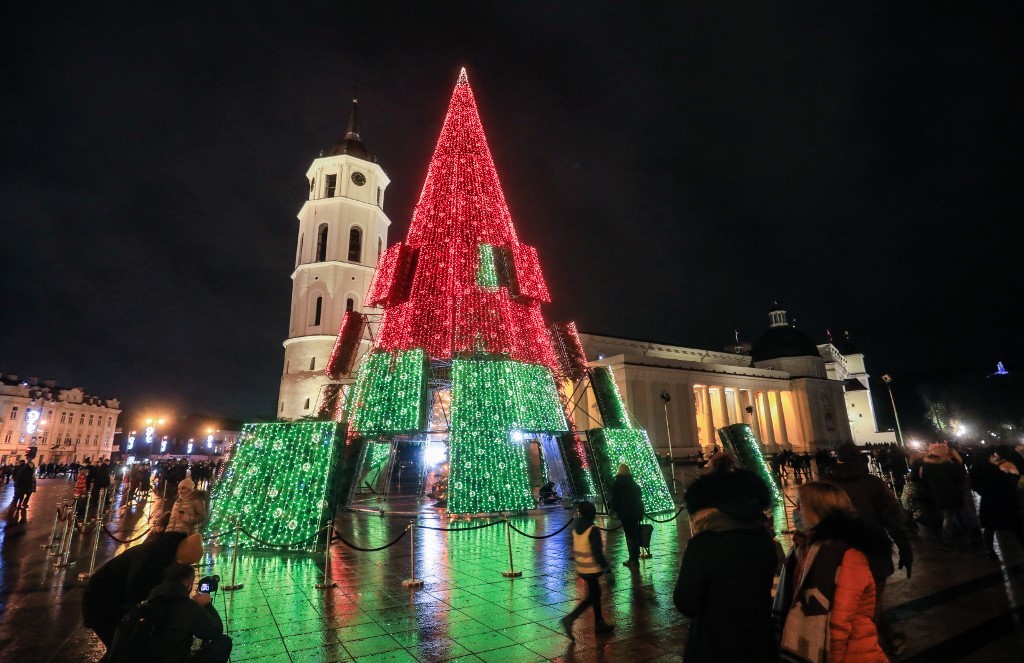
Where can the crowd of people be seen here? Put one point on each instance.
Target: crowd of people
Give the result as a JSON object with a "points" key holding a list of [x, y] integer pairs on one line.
{"points": [[748, 602]]}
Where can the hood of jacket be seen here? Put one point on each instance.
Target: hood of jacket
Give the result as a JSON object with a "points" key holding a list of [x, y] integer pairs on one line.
{"points": [[581, 524], [854, 532], [739, 494]]}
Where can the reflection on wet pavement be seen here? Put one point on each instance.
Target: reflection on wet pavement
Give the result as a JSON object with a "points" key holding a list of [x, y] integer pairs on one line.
{"points": [[466, 610]]}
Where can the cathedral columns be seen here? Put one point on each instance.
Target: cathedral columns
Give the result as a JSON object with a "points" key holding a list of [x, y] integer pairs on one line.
{"points": [[709, 422], [755, 421], [723, 405], [782, 420], [689, 416], [769, 428]]}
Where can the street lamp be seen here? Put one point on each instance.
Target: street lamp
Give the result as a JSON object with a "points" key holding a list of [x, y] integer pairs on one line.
{"points": [[888, 385], [665, 399]]}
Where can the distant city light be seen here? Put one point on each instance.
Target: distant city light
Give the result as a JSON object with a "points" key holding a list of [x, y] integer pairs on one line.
{"points": [[434, 454], [961, 430]]}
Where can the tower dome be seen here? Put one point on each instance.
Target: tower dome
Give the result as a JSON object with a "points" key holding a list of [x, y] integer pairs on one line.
{"points": [[782, 340]]}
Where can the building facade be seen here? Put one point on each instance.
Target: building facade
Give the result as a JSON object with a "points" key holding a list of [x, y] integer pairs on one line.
{"points": [[54, 423], [342, 232], [793, 394]]}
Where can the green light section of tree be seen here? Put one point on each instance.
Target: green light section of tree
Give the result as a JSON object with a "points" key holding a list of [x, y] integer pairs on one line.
{"points": [[389, 392], [488, 473], [632, 447], [609, 400], [739, 440], [378, 453], [501, 395], [276, 484], [487, 268]]}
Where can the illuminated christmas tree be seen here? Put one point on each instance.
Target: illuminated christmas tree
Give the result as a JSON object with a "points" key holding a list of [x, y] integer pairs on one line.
{"points": [[462, 314]]}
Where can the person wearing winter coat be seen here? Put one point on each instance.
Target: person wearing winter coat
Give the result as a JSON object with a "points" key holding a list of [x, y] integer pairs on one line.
{"points": [[588, 553], [725, 581], [627, 502], [995, 480], [944, 487], [825, 602], [877, 507], [129, 577], [189, 509], [179, 619]]}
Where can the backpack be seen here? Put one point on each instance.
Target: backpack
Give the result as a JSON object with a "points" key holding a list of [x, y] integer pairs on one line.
{"points": [[137, 632]]}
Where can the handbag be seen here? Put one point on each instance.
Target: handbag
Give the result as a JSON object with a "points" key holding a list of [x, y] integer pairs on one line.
{"points": [[646, 530]]}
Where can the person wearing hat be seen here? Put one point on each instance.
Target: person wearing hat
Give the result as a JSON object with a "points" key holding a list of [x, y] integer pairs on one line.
{"points": [[128, 578], [878, 509], [189, 509]]}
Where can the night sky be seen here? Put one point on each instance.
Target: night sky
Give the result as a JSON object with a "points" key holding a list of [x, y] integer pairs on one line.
{"points": [[678, 169]]}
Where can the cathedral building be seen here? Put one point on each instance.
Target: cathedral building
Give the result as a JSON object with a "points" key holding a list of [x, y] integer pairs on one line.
{"points": [[793, 393], [342, 232]]}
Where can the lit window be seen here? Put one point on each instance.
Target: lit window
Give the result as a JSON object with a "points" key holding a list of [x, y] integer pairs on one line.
{"points": [[332, 184], [321, 243], [355, 244]]}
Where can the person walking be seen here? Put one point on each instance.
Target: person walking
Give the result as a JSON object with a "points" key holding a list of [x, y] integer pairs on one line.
{"points": [[825, 603], [995, 480], [25, 485], [175, 620], [588, 552], [628, 505], [725, 581], [944, 482], [877, 508]]}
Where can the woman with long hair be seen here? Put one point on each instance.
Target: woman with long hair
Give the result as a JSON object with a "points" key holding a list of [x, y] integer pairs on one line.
{"points": [[825, 603]]}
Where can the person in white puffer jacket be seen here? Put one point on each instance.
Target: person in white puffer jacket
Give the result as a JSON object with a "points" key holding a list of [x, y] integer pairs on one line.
{"points": [[189, 510]]}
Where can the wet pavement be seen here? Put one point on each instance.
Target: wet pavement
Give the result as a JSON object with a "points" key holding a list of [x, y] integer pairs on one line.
{"points": [[958, 606]]}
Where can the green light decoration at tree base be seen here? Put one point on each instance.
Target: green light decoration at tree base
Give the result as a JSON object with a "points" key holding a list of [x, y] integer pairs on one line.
{"points": [[614, 446], [620, 441], [493, 402], [488, 473], [277, 485], [739, 440]]}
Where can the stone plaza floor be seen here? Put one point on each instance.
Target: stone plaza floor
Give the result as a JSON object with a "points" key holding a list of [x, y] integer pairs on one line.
{"points": [[958, 606]]}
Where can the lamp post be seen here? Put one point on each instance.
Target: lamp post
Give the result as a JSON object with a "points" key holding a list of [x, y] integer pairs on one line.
{"points": [[665, 398], [888, 385]]}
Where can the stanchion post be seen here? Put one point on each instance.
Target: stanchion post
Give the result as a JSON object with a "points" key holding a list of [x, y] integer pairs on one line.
{"points": [[511, 573], [327, 583], [84, 575], [64, 533], [785, 514], [412, 581], [85, 514], [53, 532], [234, 563], [62, 558]]}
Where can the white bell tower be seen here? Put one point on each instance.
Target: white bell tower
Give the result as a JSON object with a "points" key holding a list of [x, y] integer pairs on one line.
{"points": [[342, 232]]}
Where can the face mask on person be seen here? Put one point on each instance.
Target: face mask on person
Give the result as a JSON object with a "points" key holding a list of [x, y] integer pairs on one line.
{"points": [[799, 521]]}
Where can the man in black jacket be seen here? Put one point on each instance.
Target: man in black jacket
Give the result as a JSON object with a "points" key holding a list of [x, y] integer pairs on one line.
{"points": [[174, 620], [125, 580]]}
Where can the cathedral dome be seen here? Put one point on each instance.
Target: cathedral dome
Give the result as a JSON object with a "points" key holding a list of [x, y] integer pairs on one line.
{"points": [[782, 340]]}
